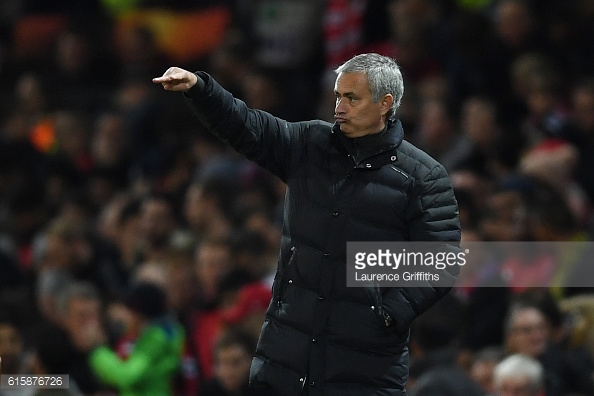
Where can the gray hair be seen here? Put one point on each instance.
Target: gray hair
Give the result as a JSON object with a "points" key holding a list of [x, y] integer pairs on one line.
{"points": [[383, 74], [519, 366]]}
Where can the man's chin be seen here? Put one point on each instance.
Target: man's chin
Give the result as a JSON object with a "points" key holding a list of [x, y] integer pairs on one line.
{"points": [[345, 130]]}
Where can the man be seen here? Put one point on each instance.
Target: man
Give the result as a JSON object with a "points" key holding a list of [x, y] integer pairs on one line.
{"points": [[77, 307], [356, 180]]}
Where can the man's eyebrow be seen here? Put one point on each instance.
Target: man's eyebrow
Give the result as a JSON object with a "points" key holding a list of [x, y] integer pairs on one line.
{"points": [[350, 93]]}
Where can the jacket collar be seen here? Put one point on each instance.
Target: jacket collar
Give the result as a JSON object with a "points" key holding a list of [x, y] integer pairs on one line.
{"points": [[363, 149]]}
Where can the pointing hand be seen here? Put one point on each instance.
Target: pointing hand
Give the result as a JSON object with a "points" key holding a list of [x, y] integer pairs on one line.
{"points": [[176, 79]]}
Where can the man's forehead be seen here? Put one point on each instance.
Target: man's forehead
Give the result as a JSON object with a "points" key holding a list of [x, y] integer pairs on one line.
{"points": [[351, 82]]}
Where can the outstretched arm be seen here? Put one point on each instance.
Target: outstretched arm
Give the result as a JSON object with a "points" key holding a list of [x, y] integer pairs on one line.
{"points": [[273, 143]]}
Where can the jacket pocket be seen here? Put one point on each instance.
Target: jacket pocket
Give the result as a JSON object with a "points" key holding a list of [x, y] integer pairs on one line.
{"points": [[378, 308]]}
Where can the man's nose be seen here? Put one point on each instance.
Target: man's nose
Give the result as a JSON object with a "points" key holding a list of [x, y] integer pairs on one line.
{"points": [[339, 108]]}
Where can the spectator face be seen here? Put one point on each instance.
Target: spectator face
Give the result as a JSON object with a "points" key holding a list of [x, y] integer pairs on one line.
{"points": [[11, 347], [436, 128], [212, 263], [482, 373], [513, 23], [233, 367], [528, 333], [194, 209], [156, 221], [81, 314], [59, 253], [109, 141], [505, 218], [356, 113], [478, 122]]}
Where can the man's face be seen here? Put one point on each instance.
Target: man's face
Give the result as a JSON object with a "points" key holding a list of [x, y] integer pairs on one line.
{"points": [[356, 113], [528, 333]]}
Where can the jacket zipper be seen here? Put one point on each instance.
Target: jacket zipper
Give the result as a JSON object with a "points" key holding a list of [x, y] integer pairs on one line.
{"points": [[283, 280]]}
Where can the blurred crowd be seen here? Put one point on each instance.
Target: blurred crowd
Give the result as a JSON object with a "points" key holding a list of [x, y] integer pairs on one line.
{"points": [[109, 185]]}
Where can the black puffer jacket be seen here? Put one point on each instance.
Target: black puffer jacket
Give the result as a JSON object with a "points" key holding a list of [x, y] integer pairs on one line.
{"points": [[319, 335]]}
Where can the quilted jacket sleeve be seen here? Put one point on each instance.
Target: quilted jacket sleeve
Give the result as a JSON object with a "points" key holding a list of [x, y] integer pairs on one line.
{"points": [[273, 143], [434, 218]]}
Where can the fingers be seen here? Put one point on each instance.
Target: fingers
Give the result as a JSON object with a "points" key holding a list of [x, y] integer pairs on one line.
{"points": [[176, 79]]}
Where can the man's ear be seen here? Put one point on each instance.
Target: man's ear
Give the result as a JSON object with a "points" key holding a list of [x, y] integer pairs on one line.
{"points": [[387, 102]]}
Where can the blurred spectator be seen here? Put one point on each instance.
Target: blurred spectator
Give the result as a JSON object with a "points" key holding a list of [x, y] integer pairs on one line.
{"points": [[581, 133], [529, 333], [233, 358], [157, 223], [231, 306], [438, 134], [517, 32], [212, 262], [553, 162], [69, 245], [480, 129], [154, 359], [72, 142], [50, 284], [248, 253], [504, 217], [519, 375], [483, 366], [433, 341], [122, 227], [206, 209], [542, 88], [12, 346], [110, 152], [78, 308], [249, 308]]}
